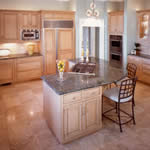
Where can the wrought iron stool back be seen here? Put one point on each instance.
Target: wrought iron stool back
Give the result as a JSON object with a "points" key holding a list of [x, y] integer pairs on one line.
{"points": [[127, 89], [132, 68]]}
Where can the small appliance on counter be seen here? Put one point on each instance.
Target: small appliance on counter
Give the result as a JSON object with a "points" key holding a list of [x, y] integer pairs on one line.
{"points": [[30, 49], [30, 34]]}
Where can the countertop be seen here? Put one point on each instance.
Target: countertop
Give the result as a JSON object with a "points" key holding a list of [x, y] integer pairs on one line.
{"points": [[106, 73], [19, 56], [141, 55]]}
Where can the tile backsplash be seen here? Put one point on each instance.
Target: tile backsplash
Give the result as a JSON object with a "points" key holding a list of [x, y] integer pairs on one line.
{"points": [[19, 48]]}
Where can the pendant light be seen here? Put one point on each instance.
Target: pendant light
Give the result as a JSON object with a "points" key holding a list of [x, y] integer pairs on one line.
{"points": [[92, 12]]}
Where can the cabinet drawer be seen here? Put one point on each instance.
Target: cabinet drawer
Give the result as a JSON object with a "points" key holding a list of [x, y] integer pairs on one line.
{"points": [[68, 98], [146, 61], [146, 69], [90, 93], [28, 75], [28, 66], [27, 60]]}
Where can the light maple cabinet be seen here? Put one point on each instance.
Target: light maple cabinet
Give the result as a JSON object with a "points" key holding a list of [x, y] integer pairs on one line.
{"points": [[143, 67], [20, 69], [65, 44], [50, 51], [7, 71], [58, 42], [29, 20], [9, 26], [72, 120], [116, 23], [28, 68], [73, 115]]}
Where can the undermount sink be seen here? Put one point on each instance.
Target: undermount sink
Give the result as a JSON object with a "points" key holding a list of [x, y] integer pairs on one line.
{"points": [[4, 52], [84, 68]]}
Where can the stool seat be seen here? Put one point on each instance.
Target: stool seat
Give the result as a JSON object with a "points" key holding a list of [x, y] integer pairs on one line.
{"points": [[113, 94]]}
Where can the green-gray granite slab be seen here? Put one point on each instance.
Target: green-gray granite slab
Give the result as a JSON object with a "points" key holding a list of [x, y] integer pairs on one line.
{"points": [[105, 73]]}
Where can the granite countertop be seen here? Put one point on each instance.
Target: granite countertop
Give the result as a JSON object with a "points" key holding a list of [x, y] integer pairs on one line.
{"points": [[106, 73], [141, 55], [18, 56]]}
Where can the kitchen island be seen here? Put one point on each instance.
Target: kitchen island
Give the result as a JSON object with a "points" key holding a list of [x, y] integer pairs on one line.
{"points": [[72, 108]]}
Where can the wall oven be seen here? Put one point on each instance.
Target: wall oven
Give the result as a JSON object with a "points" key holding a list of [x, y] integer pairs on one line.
{"points": [[116, 43]]}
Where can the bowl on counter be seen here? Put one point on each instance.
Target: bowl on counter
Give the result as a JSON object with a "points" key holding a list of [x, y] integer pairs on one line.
{"points": [[4, 52]]}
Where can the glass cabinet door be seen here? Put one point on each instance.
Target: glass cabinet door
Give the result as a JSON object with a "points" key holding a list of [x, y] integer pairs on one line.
{"points": [[144, 26]]}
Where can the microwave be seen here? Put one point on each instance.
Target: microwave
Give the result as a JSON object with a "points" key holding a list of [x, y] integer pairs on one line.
{"points": [[30, 34]]}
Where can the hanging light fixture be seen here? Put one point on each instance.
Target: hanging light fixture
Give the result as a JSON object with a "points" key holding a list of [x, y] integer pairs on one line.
{"points": [[92, 12]]}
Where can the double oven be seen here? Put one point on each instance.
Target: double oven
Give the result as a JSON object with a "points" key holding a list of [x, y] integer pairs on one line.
{"points": [[116, 47]]}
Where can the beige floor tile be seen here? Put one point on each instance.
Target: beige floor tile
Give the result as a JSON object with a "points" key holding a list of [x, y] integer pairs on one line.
{"points": [[23, 127]]}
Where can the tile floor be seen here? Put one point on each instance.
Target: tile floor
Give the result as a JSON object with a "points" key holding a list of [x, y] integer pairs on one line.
{"points": [[22, 125]]}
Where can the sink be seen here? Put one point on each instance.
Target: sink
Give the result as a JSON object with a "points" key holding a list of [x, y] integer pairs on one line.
{"points": [[84, 68], [4, 52]]}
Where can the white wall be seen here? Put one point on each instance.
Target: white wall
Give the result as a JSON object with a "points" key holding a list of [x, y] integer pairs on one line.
{"points": [[130, 25], [34, 5], [147, 4]]}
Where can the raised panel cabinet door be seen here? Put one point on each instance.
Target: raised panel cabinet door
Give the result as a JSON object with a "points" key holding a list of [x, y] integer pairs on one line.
{"points": [[65, 40], [113, 24], [35, 20], [120, 24], [10, 26], [92, 114], [50, 51], [6, 71], [24, 20], [72, 115], [1, 26]]}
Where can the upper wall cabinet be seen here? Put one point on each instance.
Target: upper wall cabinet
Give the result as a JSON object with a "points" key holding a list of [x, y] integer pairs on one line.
{"points": [[143, 31], [143, 24], [9, 26], [116, 23], [29, 20]]}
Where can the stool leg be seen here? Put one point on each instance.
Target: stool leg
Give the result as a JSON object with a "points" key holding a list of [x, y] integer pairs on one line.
{"points": [[119, 118], [116, 107], [133, 102], [133, 112], [102, 106]]}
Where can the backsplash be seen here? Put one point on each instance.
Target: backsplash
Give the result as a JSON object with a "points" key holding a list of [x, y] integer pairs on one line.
{"points": [[19, 48]]}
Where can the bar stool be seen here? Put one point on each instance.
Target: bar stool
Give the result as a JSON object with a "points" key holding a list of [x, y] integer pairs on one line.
{"points": [[131, 68], [120, 95]]}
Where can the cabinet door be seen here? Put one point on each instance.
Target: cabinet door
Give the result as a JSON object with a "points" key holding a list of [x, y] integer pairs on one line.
{"points": [[72, 120], [50, 51], [92, 113], [65, 44], [6, 71], [120, 24], [112, 24], [35, 20], [10, 26], [1, 26], [24, 20]]}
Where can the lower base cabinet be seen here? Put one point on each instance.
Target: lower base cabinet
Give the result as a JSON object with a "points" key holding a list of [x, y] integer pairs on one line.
{"points": [[20, 69], [73, 115], [7, 71], [143, 67]]}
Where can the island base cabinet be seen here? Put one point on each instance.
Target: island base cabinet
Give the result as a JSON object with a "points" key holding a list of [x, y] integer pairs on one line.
{"points": [[72, 116], [92, 114]]}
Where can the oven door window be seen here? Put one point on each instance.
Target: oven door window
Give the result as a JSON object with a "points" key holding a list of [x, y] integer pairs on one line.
{"points": [[116, 43]]}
